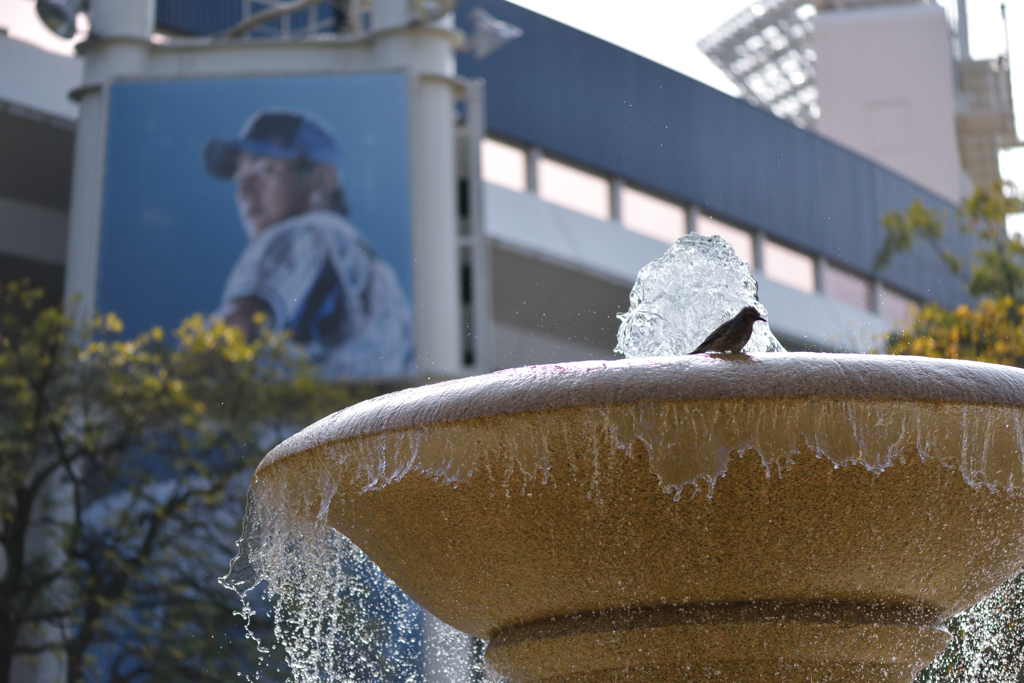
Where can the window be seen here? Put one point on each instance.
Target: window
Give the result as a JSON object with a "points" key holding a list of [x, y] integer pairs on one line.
{"points": [[741, 240], [788, 267], [895, 307], [574, 189], [650, 216], [848, 288], [503, 165]]}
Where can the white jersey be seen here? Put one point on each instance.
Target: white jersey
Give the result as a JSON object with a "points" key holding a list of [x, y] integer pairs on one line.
{"points": [[325, 284]]}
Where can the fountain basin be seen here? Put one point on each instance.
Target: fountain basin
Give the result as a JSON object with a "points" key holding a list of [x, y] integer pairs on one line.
{"points": [[786, 516]]}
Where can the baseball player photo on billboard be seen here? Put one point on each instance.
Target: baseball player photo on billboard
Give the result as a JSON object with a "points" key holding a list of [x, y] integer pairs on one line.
{"points": [[280, 200]]}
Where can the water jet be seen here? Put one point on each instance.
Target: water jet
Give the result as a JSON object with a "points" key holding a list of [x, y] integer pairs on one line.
{"points": [[790, 516]]}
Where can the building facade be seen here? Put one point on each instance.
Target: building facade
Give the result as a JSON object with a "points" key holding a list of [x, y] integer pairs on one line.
{"points": [[37, 129], [612, 157], [592, 161], [893, 80]]}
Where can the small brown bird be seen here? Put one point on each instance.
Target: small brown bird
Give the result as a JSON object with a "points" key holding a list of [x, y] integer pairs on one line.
{"points": [[732, 335]]}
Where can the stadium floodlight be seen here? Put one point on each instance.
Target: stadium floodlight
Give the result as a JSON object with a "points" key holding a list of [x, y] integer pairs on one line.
{"points": [[59, 15], [490, 34], [767, 50]]}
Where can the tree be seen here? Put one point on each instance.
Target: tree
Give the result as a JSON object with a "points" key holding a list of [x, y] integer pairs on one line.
{"points": [[988, 641], [998, 268], [124, 465], [988, 331]]}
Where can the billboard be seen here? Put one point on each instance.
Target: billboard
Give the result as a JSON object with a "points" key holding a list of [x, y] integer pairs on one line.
{"points": [[275, 199]]}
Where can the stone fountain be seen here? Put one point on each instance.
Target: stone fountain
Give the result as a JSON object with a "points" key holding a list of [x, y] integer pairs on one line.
{"points": [[772, 516], [565, 513]]}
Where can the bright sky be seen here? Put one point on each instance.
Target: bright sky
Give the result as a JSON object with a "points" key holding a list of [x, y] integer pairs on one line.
{"points": [[667, 31]]}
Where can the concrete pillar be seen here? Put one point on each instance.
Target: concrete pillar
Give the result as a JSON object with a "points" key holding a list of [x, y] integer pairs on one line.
{"points": [[692, 212], [83, 254], [615, 196], [875, 299], [759, 241], [483, 313], [820, 273], [118, 46], [429, 52], [434, 232], [533, 156], [112, 19]]}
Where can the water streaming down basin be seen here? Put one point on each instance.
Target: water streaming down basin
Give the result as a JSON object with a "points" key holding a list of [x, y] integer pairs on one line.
{"points": [[784, 516]]}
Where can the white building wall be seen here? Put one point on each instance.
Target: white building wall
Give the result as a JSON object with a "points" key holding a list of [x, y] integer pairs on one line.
{"points": [[886, 90], [584, 249], [37, 80]]}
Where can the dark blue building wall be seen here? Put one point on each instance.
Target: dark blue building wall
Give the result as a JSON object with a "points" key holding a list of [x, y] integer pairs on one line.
{"points": [[197, 17], [591, 102], [588, 101]]}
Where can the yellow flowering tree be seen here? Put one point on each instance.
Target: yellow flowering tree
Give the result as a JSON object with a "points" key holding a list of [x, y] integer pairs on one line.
{"points": [[988, 641], [990, 330], [124, 465]]}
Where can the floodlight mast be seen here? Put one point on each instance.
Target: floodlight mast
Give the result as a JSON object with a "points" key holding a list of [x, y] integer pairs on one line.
{"points": [[489, 34], [59, 15], [767, 51]]}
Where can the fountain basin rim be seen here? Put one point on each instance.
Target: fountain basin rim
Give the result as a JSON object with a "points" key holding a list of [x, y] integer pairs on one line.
{"points": [[738, 377]]}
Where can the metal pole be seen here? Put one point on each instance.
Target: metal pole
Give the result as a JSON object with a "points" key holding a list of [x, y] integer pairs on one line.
{"points": [[961, 30]]}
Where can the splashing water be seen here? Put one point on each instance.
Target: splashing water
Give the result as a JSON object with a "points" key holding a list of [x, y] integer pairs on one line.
{"points": [[336, 615], [339, 618], [679, 299], [687, 445], [988, 641]]}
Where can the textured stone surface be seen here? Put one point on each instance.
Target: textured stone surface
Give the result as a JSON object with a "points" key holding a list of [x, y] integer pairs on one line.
{"points": [[814, 572]]}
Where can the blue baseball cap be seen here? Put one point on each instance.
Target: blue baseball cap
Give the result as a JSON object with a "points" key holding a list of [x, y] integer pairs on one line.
{"points": [[278, 134]]}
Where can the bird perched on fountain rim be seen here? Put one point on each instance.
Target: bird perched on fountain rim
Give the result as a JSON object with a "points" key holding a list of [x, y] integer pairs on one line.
{"points": [[732, 335]]}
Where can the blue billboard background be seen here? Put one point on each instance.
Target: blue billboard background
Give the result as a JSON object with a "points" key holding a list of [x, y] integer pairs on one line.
{"points": [[170, 230]]}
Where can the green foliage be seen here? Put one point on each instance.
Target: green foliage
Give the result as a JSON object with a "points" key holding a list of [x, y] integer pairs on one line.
{"points": [[990, 332], [903, 228], [998, 267], [124, 464], [988, 641]]}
